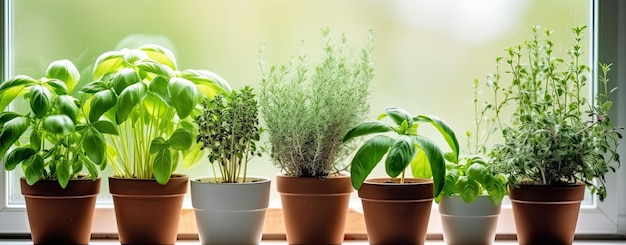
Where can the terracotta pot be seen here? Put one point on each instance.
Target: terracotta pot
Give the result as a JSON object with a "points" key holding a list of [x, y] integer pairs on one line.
{"points": [[468, 223], [237, 216], [315, 209], [546, 214], [396, 213], [60, 216], [147, 212]]}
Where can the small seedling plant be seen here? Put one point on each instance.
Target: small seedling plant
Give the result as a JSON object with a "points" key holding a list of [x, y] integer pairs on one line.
{"points": [[408, 147]]}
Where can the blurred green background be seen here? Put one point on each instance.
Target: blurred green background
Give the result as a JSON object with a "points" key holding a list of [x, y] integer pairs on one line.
{"points": [[426, 53]]}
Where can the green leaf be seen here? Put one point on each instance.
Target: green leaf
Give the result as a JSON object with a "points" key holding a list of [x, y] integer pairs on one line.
{"points": [[101, 102], [6, 116], [160, 54], [105, 127], [184, 95], [17, 81], [95, 146], [124, 78], [467, 188], [65, 71], [192, 156], [209, 83], [94, 87], [156, 68], [158, 87], [91, 168], [40, 100], [128, 99], [367, 157], [452, 176], [58, 124], [8, 95], [445, 130], [66, 104], [57, 86], [77, 165], [157, 108], [398, 115], [162, 166], [181, 139], [33, 169], [420, 167], [367, 128], [435, 158], [496, 188], [478, 172], [157, 145], [400, 155], [63, 173], [11, 132], [16, 156], [35, 140], [132, 56], [108, 62]]}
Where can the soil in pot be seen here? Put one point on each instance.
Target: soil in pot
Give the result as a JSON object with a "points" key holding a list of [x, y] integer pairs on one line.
{"points": [[60, 216], [315, 209], [237, 216], [147, 212], [396, 213], [546, 214]]}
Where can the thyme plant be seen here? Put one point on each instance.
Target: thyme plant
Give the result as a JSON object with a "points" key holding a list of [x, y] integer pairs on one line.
{"points": [[308, 109], [555, 135], [229, 128]]}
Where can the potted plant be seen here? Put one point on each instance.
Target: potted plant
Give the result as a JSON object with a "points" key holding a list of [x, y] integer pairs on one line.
{"points": [[54, 143], [470, 201], [556, 142], [307, 112], [150, 102], [230, 206], [404, 202]]}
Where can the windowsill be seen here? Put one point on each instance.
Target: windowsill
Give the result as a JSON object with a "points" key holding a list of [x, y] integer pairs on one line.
{"points": [[428, 242]]}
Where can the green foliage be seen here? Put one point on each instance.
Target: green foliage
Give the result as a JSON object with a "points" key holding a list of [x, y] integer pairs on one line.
{"points": [[407, 148], [229, 128], [307, 111], [555, 136], [472, 175], [62, 141], [152, 105]]}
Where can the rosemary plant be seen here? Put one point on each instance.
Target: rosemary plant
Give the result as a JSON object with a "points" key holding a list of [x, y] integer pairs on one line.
{"points": [[555, 135], [308, 110], [229, 129]]}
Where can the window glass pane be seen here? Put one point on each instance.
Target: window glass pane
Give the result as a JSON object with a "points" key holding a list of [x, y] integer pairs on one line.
{"points": [[427, 53]]}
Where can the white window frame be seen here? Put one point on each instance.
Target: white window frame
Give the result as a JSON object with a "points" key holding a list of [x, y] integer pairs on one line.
{"points": [[603, 219]]}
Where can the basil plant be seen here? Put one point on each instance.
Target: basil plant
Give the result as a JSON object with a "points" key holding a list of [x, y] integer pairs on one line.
{"points": [[52, 138], [407, 148], [152, 104]]}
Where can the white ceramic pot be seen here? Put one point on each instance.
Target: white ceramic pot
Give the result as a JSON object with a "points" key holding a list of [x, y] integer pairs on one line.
{"points": [[468, 223], [230, 213]]}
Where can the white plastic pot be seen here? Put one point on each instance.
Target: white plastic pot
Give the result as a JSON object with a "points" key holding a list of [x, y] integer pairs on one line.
{"points": [[468, 223], [230, 213]]}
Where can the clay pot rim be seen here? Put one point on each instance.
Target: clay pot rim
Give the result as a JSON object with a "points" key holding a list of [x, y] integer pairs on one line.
{"points": [[396, 181], [173, 176], [330, 176], [260, 180]]}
